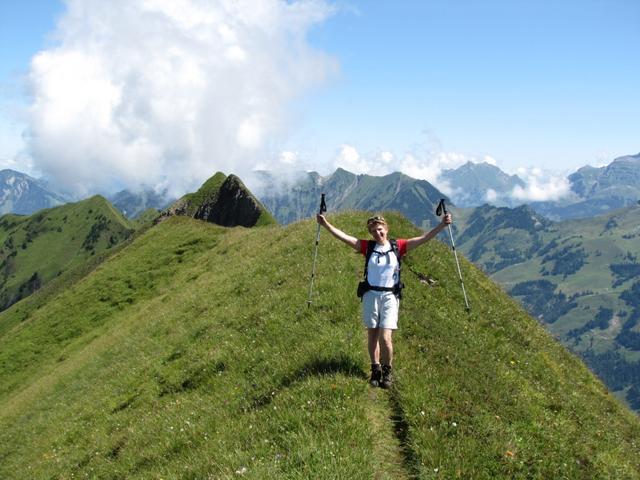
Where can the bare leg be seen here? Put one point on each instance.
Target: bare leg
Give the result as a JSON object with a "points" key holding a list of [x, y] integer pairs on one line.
{"points": [[373, 344], [386, 345]]}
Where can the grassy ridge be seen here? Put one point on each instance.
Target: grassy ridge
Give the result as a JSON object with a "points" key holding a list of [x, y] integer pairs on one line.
{"points": [[191, 353], [36, 249]]}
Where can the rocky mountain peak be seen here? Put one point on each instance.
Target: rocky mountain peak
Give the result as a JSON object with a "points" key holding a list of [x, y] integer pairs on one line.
{"points": [[223, 200]]}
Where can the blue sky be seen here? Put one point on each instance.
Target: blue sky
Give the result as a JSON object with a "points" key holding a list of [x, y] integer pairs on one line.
{"points": [[24, 29], [380, 84], [529, 83]]}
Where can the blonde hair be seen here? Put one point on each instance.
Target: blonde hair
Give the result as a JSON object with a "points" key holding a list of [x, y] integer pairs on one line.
{"points": [[377, 220]]}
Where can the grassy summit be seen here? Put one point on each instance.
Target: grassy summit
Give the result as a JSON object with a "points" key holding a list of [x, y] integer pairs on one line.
{"points": [[191, 353]]}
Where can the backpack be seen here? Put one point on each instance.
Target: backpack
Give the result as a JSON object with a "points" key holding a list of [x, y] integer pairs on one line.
{"points": [[364, 286]]}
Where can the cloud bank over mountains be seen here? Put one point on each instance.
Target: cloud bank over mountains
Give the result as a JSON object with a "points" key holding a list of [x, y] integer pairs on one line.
{"points": [[429, 165], [541, 186], [164, 93]]}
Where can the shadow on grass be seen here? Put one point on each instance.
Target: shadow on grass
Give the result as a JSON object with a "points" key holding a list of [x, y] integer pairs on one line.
{"points": [[345, 365], [316, 368], [410, 458]]}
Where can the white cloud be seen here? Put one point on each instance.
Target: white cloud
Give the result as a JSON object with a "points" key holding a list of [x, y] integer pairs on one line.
{"points": [[541, 185], [602, 159], [491, 195], [348, 158], [430, 166], [13, 164], [386, 160], [10, 143], [424, 165], [379, 163], [166, 92], [289, 158], [490, 160]]}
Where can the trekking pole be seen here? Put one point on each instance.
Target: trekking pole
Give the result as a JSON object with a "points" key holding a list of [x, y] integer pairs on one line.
{"points": [[442, 208], [323, 208]]}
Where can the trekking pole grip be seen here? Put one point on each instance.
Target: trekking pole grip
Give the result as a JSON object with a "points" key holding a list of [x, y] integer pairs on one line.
{"points": [[323, 205], [442, 208]]}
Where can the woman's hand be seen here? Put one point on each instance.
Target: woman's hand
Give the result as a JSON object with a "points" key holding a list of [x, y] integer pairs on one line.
{"points": [[447, 219], [321, 219]]}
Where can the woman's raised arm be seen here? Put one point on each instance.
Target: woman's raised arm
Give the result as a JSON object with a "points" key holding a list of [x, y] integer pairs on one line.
{"points": [[353, 242]]}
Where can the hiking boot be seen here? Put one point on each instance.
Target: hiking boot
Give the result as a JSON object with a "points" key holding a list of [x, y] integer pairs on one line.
{"points": [[376, 375], [387, 377]]}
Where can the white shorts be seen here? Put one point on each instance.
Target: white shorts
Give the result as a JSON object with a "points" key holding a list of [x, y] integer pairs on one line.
{"points": [[380, 310]]}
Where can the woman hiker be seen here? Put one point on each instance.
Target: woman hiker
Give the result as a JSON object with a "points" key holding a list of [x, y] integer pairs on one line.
{"points": [[380, 301]]}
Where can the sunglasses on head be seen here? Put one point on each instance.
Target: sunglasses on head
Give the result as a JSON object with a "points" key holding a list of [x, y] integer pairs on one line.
{"points": [[376, 220]]}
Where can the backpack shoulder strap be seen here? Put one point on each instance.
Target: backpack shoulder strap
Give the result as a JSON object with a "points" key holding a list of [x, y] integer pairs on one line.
{"points": [[370, 247], [396, 250], [399, 286]]}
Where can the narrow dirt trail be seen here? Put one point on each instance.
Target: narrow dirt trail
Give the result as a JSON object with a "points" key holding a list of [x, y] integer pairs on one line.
{"points": [[393, 459]]}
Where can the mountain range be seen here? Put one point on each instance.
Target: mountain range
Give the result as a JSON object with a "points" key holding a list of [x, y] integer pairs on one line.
{"points": [[597, 190], [475, 184], [23, 195], [298, 197], [593, 191], [294, 196]]}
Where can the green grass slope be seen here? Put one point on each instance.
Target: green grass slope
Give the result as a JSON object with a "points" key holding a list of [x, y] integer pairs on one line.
{"points": [[584, 283], [191, 353], [579, 278], [37, 248]]}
